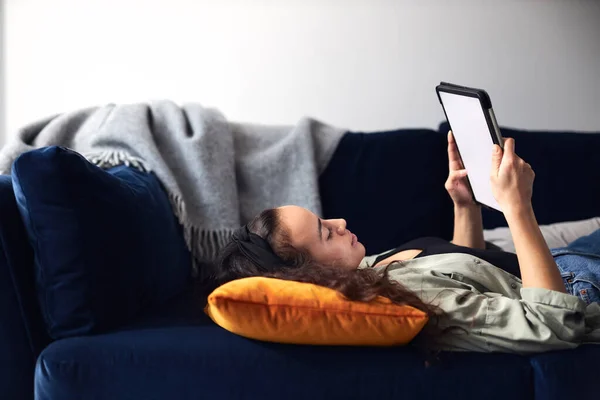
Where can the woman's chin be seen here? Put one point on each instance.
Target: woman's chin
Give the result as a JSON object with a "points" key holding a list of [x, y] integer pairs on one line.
{"points": [[360, 248]]}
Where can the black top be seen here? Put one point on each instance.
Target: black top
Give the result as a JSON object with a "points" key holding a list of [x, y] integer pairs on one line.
{"points": [[433, 245]]}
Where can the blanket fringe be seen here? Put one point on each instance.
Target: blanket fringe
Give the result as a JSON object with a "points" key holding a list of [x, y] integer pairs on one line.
{"points": [[109, 159], [204, 245]]}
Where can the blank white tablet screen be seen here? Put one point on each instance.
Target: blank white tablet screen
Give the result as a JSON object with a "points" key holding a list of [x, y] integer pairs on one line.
{"points": [[474, 142]]}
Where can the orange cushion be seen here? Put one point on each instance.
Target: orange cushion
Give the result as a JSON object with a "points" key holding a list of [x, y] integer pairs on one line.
{"points": [[276, 310]]}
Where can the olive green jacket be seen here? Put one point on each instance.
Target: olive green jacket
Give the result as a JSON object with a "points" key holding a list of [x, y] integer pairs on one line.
{"points": [[488, 309]]}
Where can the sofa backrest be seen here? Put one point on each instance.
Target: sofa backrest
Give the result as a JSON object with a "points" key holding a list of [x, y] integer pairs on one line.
{"points": [[389, 186]]}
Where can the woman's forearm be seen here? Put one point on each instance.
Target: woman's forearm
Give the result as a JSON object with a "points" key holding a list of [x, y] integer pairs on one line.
{"points": [[468, 227], [538, 268]]}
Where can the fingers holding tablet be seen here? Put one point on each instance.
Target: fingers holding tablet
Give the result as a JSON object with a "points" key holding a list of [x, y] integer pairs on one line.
{"points": [[455, 162], [511, 177]]}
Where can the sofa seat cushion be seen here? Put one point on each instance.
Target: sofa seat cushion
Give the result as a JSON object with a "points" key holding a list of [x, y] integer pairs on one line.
{"points": [[567, 374], [174, 356]]}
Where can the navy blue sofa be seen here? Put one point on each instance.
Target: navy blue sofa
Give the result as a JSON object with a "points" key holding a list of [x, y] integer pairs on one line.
{"points": [[175, 351]]}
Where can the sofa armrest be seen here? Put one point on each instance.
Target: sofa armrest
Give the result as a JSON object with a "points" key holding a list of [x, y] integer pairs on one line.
{"points": [[22, 334]]}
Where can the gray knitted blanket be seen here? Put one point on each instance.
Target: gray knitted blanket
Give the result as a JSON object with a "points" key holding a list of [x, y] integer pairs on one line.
{"points": [[218, 174]]}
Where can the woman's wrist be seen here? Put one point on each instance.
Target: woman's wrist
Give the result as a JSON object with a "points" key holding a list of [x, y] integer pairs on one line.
{"points": [[467, 215], [468, 226], [469, 207], [517, 211]]}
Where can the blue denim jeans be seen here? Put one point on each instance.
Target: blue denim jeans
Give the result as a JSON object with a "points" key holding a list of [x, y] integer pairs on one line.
{"points": [[579, 265]]}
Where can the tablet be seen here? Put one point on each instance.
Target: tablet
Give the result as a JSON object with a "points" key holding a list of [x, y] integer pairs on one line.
{"points": [[471, 117]]}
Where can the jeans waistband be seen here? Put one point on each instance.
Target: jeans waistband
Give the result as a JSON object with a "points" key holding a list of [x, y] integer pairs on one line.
{"points": [[562, 251]]}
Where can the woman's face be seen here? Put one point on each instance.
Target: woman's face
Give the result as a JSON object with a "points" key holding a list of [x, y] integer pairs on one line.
{"points": [[327, 241]]}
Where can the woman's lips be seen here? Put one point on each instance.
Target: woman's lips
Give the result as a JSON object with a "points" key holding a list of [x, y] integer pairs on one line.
{"points": [[354, 239]]}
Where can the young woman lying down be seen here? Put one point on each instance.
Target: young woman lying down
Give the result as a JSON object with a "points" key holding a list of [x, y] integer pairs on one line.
{"points": [[477, 299]]}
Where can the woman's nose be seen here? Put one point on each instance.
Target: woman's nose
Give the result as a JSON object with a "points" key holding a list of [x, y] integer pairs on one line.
{"points": [[341, 223]]}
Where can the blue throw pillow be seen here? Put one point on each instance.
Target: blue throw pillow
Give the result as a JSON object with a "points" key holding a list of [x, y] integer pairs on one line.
{"points": [[106, 243]]}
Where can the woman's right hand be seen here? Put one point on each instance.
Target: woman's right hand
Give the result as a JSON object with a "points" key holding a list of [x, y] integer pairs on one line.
{"points": [[511, 177], [512, 184]]}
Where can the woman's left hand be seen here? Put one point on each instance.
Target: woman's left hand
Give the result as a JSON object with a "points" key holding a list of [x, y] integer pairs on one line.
{"points": [[457, 184]]}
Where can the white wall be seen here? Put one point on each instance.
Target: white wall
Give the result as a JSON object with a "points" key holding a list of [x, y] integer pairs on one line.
{"points": [[360, 64]]}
